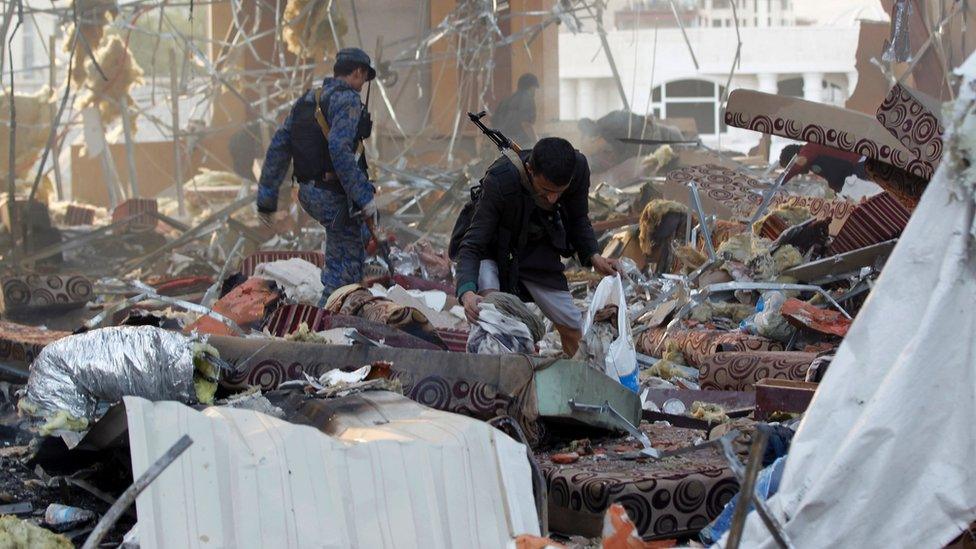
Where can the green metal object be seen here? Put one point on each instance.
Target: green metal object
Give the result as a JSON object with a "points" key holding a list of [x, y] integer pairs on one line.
{"points": [[567, 380]]}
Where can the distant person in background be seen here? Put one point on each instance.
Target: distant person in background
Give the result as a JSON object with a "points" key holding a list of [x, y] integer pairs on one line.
{"points": [[515, 115], [832, 165], [601, 138]]}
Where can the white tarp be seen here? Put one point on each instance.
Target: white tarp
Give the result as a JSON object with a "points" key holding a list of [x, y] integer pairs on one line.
{"points": [[427, 479], [885, 454]]}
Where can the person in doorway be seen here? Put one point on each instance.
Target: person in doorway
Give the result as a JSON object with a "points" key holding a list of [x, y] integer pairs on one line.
{"points": [[522, 227], [515, 115], [322, 137]]}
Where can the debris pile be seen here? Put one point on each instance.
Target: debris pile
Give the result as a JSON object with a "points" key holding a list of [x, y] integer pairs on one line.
{"points": [[741, 322]]}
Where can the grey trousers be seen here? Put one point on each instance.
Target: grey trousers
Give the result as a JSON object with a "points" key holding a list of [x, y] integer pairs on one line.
{"points": [[557, 305]]}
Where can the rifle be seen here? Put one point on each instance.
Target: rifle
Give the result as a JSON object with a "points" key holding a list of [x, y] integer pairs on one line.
{"points": [[511, 150], [497, 137]]}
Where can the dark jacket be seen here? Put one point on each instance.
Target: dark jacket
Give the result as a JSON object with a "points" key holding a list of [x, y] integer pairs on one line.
{"points": [[506, 214]]}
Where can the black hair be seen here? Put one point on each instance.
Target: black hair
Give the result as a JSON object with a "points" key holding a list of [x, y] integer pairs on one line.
{"points": [[555, 159], [346, 67], [787, 154], [528, 80]]}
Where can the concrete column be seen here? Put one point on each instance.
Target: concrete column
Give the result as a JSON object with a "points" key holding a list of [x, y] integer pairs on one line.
{"points": [[444, 75], [606, 102], [767, 82], [585, 97], [567, 99], [813, 86], [540, 56]]}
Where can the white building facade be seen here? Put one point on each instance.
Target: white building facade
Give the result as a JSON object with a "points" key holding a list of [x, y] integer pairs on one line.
{"points": [[659, 74]]}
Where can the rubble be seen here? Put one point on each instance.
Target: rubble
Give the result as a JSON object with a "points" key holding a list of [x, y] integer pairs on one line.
{"points": [[771, 319]]}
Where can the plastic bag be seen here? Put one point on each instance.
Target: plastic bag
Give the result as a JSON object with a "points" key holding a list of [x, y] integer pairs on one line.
{"points": [[496, 333], [620, 360], [768, 320]]}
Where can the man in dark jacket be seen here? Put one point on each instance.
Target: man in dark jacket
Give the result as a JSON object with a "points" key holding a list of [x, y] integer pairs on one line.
{"points": [[520, 232]]}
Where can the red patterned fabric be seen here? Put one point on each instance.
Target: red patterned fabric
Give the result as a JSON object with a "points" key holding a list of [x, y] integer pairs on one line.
{"points": [[19, 344], [735, 190], [741, 371], [666, 498], [836, 210], [45, 291], [267, 256], [905, 187], [478, 386], [812, 122], [697, 345], [873, 221], [918, 128]]}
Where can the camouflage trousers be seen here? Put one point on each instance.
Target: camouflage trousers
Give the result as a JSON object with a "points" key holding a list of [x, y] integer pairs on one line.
{"points": [[346, 237]]}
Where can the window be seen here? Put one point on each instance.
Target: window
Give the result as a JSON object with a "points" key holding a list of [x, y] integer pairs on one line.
{"points": [[695, 99], [791, 87], [833, 94], [28, 58]]}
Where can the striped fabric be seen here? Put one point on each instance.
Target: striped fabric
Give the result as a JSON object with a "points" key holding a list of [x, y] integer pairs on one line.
{"points": [[135, 206], [873, 221], [287, 318], [456, 340], [772, 227], [267, 256], [79, 215]]}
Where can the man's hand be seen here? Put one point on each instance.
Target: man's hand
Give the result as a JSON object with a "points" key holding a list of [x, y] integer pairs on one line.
{"points": [[471, 300], [371, 218], [605, 265], [373, 226]]}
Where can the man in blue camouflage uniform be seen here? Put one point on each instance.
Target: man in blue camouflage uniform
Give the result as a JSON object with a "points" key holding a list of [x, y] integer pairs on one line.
{"points": [[334, 187]]}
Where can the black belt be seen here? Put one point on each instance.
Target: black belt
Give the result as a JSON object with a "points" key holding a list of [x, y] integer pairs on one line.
{"points": [[328, 182]]}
